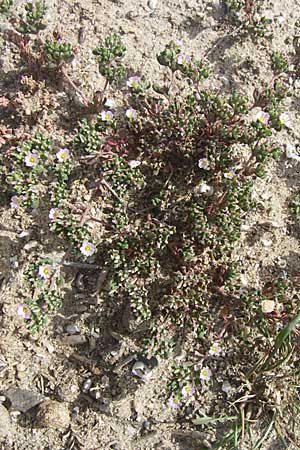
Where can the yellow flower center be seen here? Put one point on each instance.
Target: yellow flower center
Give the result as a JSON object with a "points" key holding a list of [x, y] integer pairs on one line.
{"points": [[87, 248]]}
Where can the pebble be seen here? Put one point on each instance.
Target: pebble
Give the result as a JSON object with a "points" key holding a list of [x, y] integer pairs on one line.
{"points": [[132, 431], [30, 245], [104, 406], [152, 4], [244, 280], [105, 381], [140, 370], [226, 387], [282, 263], [3, 365], [86, 386], [6, 426], [22, 399], [74, 339], [245, 227], [266, 242], [23, 234], [52, 414], [72, 329], [271, 224]]}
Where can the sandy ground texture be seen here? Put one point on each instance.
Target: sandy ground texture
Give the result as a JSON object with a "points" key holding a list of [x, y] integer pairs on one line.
{"points": [[88, 344]]}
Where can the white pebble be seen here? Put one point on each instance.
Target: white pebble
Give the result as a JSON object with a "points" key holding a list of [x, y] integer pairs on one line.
{"points": [[266, 242], [152, 4], [226, 387]]}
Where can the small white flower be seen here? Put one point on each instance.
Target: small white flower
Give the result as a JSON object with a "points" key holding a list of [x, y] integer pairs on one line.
{"points": [[134, 163], [280, 19], [110, 103], [187, 391], [16, 201], [215, 349], [205, 374], [203, 163], [268, 14], [131, 114], [178, 42], [285, 120], [133, 82], [205, 188], [244, 281], [174, 402], [53, 213], [106, 116], [45, 271], [63, 155], [183, 60], [291, 152], [262, 117], [267, 306], [31, 159], [23, 311], [87, 248], [229, 174]]}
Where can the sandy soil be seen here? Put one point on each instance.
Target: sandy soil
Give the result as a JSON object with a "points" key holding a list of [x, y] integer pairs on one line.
{"points": [[128, 413]]}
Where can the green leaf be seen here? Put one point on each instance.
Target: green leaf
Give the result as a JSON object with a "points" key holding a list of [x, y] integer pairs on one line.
{"points": [[206, 420]]}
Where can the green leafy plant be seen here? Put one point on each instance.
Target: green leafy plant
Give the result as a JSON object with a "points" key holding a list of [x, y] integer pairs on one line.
{"points": [[34, 20], [249, 16], [5, 6], [158, 193], [58, 53]]}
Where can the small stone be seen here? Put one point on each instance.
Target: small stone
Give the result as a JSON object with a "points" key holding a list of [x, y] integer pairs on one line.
{"points": [[22, 399], [86, 386], [74, 339], [282, 263], [72, 329], [52, 414], [267, 306], [244, 280], [245, 227], [266, 242], [30, 245], [132, 431], [105, 381], [3, 365], [104, 406], [152, 4], [23, 234], [271, 224], [141, 370], [226, 387], [6, 426]]}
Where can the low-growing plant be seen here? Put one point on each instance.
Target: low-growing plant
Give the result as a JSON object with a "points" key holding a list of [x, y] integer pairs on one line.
{"points": [[33, 22], [250, 16], [5, 6], [172, 176]]}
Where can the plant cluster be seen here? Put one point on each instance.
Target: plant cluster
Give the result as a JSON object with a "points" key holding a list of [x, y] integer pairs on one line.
{"points": [[5, 6], [173, 173], [250, 16], [44, 279]]}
